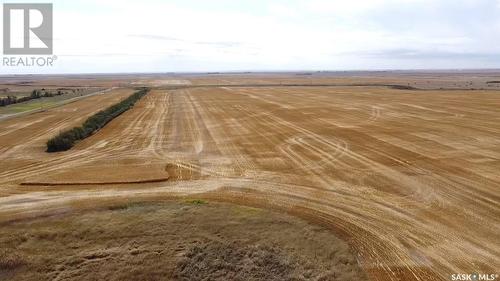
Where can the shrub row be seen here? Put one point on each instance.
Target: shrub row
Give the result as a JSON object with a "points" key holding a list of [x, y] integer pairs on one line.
{"points": [[65, 140]]}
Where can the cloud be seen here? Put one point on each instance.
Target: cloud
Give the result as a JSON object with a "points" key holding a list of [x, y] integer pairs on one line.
{"points": [[396, 54], [223, 35], [221, 44], [154, 37]]}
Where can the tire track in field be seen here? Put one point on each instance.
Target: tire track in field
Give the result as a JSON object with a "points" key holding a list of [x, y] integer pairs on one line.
{"points": [[379, 201], [216, 138]]}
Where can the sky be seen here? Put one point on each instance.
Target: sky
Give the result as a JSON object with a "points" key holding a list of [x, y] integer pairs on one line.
{"points": [[93, 36]]}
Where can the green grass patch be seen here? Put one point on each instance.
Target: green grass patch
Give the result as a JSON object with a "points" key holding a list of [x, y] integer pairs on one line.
{"points": [[16, 108], [196, 201]]}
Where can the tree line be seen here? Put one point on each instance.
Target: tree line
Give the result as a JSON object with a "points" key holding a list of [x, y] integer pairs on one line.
{"points": [[66, 139], [35, 94]]}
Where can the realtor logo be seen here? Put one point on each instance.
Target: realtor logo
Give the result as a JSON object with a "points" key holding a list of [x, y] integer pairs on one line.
{"points": [[27, 29]]}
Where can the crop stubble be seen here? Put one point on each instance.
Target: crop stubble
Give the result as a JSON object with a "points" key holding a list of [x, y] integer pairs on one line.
{"points": [[409, 178]]}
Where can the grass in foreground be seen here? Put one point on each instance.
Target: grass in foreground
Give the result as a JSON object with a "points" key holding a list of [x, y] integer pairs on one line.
{"points": [[173, 241]]}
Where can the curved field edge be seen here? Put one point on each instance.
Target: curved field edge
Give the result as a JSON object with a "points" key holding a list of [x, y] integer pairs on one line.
{"points": [[174, 239], [84, 200]]}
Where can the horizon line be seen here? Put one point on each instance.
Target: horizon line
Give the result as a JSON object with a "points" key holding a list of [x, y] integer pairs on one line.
{"points": [[260, 71]]}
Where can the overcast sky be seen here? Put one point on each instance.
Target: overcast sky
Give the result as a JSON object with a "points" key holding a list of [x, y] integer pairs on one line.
{"points": [[230, 35]]}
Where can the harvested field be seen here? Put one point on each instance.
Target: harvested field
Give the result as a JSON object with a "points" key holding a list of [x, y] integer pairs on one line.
{"points": [[103, 175], [409, 178]]}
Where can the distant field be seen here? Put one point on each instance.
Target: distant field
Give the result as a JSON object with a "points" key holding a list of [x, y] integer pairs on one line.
{"points": [[26, 106], [406, 175], [41, 103], [15, 94], [27, 90]]}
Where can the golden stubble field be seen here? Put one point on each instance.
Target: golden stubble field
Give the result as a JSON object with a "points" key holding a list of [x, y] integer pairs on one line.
{"points": [[409, 178]]}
